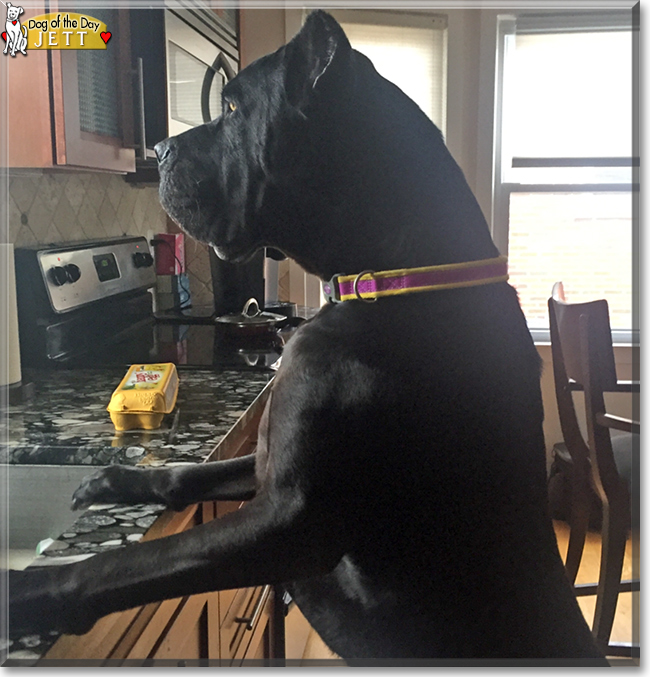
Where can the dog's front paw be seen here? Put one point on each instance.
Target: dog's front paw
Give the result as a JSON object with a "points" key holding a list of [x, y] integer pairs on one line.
{"points": [[37, 604], [112, 484]]}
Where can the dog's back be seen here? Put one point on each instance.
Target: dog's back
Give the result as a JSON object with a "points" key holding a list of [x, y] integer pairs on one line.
{"points": [[435, 415]]}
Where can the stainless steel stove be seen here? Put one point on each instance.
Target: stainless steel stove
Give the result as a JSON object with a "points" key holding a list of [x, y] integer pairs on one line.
{"points": [[90, 304]]}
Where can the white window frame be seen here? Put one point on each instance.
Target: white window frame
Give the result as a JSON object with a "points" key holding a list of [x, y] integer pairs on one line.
{"points": [[507, 25]]}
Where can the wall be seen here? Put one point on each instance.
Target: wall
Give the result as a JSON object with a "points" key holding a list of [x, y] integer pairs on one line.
{"points": [[51, 207], [463, 53], [262, 31]]}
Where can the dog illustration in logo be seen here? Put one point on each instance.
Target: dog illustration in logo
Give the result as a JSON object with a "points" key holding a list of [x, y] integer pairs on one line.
{"points": [[16, 34]]}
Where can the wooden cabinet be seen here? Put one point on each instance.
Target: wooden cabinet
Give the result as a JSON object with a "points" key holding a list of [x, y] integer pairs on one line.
{"points": [[72, 108], [228, 627]]}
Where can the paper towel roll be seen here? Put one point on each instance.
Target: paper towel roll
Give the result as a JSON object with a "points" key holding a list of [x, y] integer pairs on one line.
{"points": [[10, 373]]}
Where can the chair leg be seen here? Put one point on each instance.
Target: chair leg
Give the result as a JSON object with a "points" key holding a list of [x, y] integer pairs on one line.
{"points": [[578, 523], [614, 537]]}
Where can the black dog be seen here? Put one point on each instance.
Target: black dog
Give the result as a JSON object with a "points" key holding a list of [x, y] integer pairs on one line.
{"points": [[399, 488]]}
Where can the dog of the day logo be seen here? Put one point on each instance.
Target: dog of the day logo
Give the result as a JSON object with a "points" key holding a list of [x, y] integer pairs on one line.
{"points": [[57, 30]]}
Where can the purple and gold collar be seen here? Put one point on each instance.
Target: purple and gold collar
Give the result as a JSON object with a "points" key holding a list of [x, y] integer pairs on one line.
{"points": [[369, 285]]}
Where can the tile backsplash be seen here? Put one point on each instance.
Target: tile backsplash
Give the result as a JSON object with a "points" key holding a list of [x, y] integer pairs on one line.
{"points": [[47, 207], [52, 207]]}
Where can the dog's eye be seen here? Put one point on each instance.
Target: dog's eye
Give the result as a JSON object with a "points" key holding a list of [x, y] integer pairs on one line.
{"points": [[232, 106]]}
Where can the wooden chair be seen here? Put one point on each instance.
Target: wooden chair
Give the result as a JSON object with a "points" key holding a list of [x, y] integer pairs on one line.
{"points": [[583, 359]]}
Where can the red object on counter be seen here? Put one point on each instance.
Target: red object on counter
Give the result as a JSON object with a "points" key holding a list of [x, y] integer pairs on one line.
{"points": [[170, 253]]}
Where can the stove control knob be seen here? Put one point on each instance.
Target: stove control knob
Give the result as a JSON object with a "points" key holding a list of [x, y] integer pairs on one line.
{"points": [[72, 272], [58, 275], [142, 260]]}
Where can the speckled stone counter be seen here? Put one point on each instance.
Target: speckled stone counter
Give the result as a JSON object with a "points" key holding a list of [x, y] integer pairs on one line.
{"points": [[67, 424]]}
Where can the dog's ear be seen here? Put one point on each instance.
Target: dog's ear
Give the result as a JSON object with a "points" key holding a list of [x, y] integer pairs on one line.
{"points": [[21, 10], [315, 55], [8, 5]]}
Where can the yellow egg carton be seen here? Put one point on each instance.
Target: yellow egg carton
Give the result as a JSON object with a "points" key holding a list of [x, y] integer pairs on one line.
{"points": [[145, 395]]}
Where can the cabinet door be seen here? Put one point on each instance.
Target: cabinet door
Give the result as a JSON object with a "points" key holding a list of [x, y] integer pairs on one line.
{"points": [[28, 127], [91, 98]]}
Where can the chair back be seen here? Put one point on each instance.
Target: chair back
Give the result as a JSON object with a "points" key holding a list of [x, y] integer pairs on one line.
{"points": [[566, 318]]}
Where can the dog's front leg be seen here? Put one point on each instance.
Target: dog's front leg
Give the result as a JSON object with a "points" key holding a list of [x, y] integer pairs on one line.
{"points": [[176, 487], [229, 480], [272, 539], [291, 530]]}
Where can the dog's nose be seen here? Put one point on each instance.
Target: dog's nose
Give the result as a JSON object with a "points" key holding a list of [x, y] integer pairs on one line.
{"points": [[164, 150]]}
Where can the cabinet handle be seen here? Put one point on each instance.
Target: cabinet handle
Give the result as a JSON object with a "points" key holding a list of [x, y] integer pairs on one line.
{"points": [[141, 119], [251, 622], [220, 63]]}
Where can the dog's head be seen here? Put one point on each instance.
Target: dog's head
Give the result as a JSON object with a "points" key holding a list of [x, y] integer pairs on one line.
{"points": [[13, 12], [317, 155], [220, 181]]}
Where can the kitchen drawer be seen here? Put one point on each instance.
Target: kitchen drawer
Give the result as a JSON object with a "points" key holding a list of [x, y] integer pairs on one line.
{"points": [[245, 623], [243, 613]]}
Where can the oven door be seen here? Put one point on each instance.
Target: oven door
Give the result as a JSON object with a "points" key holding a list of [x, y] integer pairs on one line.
{"points": [[197, 69]]}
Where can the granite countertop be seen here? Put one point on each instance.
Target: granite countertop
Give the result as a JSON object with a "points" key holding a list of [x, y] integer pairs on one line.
{"points": [[101, 528], [66, 423]]}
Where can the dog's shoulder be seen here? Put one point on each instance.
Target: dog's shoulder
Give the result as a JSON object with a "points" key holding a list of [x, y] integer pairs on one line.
{"points": [[329, 358]]}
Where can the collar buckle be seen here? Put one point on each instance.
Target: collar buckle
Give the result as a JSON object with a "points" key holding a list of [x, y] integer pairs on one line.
{"points": [[331, 290]]}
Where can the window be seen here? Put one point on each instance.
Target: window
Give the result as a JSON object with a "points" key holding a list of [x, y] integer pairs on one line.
{"points": [[566, 170], [409, 50]]}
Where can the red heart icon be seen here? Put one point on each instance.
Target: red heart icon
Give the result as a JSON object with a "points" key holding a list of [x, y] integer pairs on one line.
{"points": [[14, 22], [105, 36], [4, 36]]}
